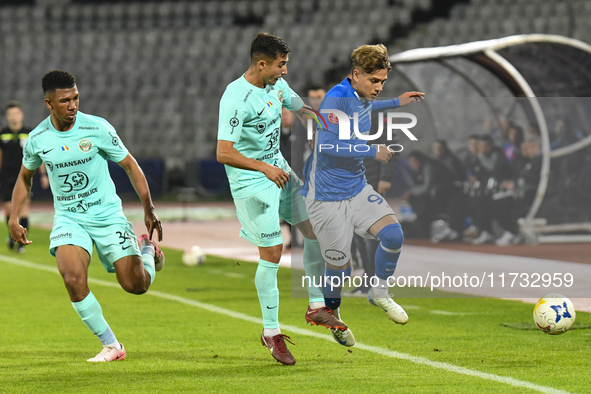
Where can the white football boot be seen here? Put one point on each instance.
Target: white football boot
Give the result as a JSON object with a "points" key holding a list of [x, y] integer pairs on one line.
{"points": [[392, 309]]}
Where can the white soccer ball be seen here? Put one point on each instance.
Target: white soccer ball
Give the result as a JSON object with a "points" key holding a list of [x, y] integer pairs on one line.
{"points": [[194, 256], [554, 314]]}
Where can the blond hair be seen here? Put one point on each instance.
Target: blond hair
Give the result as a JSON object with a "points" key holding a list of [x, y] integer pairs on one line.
{"points": [[370, 58]]}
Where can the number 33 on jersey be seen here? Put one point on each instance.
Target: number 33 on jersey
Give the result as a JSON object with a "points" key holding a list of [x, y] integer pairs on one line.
{"points": [[76, 162]]}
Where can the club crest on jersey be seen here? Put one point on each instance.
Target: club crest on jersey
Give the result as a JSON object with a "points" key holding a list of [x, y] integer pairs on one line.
{"points": [[85, 145], [261, 127], [332, 118], [280, 95]]}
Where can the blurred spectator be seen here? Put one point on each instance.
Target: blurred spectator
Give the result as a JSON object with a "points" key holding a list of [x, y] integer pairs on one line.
{"points": [[526, 177], [12, 140], [456, 204], [488, 199], [433, 191], [513, 143], [497, 126], [533, 133], [300, 147], [316, 92], [564, 134]]}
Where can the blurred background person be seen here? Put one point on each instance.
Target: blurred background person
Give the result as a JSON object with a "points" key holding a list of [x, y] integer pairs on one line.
{"points": [[489, 203], [432, 193], [455, 205], [12, 140], [514, 140]]}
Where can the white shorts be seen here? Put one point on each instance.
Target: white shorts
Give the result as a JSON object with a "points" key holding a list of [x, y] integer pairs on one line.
{"points": [[334, 222]]}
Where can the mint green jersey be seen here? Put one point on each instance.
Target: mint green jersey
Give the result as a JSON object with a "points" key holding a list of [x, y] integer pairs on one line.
{"points": [[76, 162], [251, 118]]}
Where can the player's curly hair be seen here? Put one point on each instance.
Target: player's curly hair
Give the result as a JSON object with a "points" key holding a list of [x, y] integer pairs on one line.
{"points": [[370, 58], [269, 46], [57, 79]]}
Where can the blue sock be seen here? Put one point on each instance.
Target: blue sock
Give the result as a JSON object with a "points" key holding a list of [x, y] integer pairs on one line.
{"points": [[388, 252], [91, 314], [265, 281], [332, 295], [315, 267]]}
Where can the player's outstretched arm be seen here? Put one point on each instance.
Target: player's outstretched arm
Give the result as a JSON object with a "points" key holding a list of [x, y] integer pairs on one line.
{"points": [[21, 191], [140, 184], [410, 97], [228, 155]]}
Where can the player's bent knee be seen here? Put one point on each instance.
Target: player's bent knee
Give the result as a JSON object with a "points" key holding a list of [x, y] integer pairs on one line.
{"points": [[136, 287], [391, 236]]}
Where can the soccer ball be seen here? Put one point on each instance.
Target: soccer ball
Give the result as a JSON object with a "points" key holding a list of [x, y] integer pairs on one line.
{"points": [[194, 256], [554, 314]]}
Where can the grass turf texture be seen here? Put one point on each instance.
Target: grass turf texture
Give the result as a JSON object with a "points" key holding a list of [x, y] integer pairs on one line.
{"points": [[172, 347]]}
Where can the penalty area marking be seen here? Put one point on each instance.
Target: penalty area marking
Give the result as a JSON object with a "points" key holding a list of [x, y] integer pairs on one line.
{"points": [[374, 349]]}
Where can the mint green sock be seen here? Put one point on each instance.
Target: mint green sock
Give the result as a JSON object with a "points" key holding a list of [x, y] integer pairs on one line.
{"points": [[315, 267], [91, 314], [265, 281], [148, 258]]}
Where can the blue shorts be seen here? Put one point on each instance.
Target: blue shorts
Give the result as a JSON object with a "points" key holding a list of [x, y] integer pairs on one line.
{"points": [[114, 238], [259, 214]]}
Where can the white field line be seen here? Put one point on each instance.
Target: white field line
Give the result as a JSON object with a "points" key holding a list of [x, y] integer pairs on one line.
{"points": [[374, 349]]}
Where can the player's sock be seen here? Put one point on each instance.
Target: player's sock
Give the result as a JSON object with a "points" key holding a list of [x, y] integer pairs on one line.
{"points": [[265, 281], [315, 267], [24, 222], [271, 332], [387, 254], [332, 294], [148, 258], [91, 314]]}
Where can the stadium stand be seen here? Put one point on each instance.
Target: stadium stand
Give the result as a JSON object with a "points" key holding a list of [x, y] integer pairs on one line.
{"points": [[156, 70]]}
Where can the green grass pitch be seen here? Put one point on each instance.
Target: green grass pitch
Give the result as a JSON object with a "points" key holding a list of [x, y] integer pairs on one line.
{"points": [[174, 345]]}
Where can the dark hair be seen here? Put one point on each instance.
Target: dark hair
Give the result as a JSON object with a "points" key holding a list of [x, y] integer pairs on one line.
{"points": [[443, 144], [316, 86], [417, 154], [13, 104], [269, 46], [519, 135], [474, 137], [57, 79], [487, 138]]}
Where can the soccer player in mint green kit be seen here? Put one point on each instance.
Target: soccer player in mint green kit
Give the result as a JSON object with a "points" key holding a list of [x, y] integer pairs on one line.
{"points": [[263, 186], [75, 148]]}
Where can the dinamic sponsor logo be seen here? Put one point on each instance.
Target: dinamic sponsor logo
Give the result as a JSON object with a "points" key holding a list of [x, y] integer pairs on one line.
{"points": [[271, 235]]}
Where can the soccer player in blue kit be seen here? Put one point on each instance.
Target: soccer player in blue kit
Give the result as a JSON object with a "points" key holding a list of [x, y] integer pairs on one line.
{"points": [[75, 148], [264, 187], [338, 198]]}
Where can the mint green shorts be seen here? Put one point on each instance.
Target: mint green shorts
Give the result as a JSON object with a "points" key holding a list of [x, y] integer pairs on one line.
{"points": [[259, 214], [114, 238]]}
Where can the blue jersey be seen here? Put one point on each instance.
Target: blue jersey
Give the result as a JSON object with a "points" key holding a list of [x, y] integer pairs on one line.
{"points": [[334, 171]]}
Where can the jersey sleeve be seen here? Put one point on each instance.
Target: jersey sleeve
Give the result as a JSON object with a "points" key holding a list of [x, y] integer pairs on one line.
{"points": [[111, 144], [31, 160], [329, 122], [231, 119], [291, 100]]}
